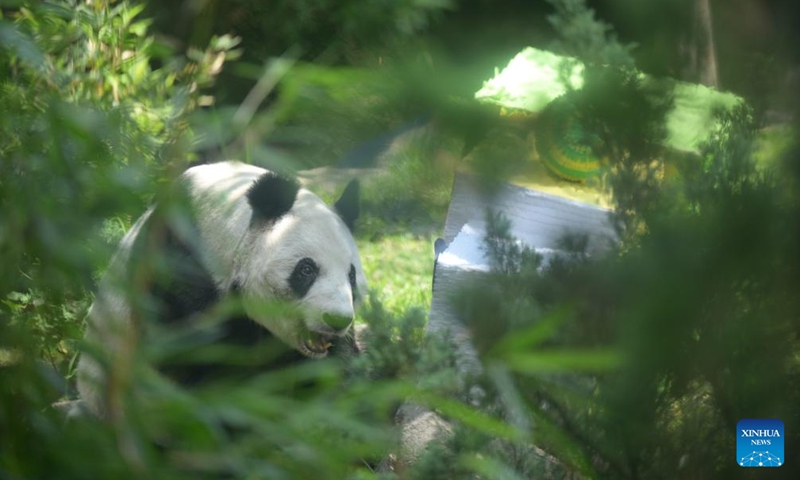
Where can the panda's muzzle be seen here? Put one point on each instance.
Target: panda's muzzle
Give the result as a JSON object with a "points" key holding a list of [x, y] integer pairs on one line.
{"points": [[316, 346], [317, 342]]}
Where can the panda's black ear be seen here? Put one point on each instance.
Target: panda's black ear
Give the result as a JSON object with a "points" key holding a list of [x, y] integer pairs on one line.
{"points": [[272, 195], [348, 204]]}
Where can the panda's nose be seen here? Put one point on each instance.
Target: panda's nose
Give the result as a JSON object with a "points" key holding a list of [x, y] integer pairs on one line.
{"points": [[337, 322]]}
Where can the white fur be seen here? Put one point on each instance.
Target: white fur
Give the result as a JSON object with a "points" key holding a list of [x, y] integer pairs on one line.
{"points": [[259, 259]]}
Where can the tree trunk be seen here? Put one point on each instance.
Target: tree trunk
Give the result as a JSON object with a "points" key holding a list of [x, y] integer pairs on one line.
{"points": [[702, 65]]}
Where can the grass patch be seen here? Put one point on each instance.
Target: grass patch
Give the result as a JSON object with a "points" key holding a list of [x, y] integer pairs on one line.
{"points": [[399, 269]]}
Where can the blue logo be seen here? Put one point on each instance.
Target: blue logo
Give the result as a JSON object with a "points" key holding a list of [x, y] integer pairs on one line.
{"points": [[759, 443]]}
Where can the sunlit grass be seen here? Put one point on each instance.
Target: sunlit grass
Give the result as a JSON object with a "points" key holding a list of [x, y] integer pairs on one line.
{"points": [[399, 269]]}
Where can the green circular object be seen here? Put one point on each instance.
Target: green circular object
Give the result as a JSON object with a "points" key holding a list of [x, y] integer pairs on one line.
{"points": [[564, 144]]}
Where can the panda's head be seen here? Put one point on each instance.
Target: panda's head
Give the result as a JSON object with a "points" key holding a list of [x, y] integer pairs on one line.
{"points": [[301, 252]]}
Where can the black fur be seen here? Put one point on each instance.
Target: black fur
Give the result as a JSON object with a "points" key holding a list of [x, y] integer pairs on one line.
{"points": [[186, 288], [177, 290], [348, 204], [165, 266], [272, 196], [351, 276], [303, 276]]}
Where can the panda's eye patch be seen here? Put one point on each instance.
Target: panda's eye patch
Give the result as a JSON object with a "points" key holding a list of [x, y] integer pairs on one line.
{"points": [[352, 277], [303, 276], [307, 268]]}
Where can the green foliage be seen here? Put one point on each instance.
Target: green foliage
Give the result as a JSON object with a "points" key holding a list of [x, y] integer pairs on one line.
{"points": [[336, 30], [585, 37], [54, 326], [257, 428], [633, 364], [639, 363], [86, 121], [627, 117], [327, 111], [630, 123], [97, 124], [621, 363], [397, 348]]}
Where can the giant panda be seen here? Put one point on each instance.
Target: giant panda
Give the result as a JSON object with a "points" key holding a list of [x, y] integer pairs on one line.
{"points": [[252, 235]]}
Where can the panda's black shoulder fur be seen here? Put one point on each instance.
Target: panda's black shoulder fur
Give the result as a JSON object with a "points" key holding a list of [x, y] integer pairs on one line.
{"points": [[272, 196], [178, 284], [180, 289]]}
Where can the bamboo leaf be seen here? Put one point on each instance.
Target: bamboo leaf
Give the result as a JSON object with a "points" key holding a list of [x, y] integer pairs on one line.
{"points": [[563, 360]]}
